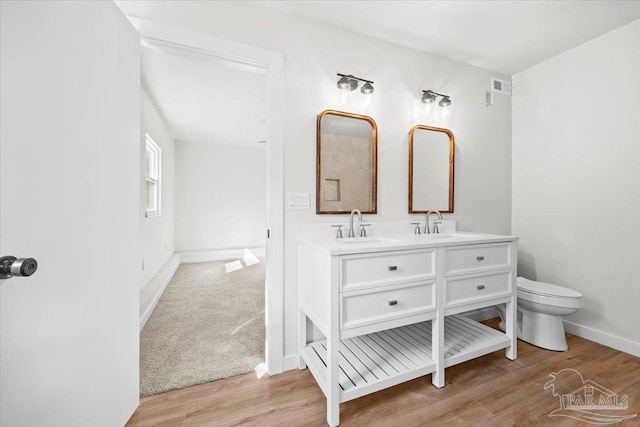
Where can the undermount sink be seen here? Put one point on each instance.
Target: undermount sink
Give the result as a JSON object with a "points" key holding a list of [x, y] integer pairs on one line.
{"points": [[364, 240]]}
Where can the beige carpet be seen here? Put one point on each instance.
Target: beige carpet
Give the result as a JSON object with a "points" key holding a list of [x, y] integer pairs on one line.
{"points": [[209, 324]]}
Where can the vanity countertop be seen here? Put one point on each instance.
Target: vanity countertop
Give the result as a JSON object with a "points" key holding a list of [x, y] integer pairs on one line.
{"points": [[381, 243]]}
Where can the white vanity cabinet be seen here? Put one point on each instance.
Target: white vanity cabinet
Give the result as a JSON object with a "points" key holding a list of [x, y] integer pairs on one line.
{"points": [[390, 312], [475, 276]]}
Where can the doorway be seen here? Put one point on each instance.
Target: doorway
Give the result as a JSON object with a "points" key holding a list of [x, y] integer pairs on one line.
{"points": [[184, 43], [209, 123]]}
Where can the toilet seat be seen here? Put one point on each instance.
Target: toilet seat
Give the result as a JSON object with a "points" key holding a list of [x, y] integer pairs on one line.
{"points": [[546, 289]]}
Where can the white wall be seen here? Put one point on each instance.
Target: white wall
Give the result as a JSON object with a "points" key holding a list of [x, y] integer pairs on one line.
{"points": [[220, 196], [576, 177], [157, 232], [313, 55]]}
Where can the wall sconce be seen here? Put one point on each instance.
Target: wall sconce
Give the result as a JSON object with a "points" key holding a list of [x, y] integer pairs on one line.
{"points": [[429, 97], [349, 82]]}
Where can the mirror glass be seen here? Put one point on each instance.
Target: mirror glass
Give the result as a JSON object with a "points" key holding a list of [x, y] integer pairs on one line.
{"points": [[346, 163], [431, 166]]}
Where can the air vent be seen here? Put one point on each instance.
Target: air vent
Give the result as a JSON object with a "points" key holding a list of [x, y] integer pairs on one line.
{"points": [[500, 86]]}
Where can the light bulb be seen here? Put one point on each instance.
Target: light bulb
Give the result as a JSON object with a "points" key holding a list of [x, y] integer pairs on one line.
{"points": [[343, 83], [445, 101]]}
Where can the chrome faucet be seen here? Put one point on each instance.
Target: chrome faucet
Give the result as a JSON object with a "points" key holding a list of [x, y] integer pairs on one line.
{"points": [[352, 232], [426, 229]]}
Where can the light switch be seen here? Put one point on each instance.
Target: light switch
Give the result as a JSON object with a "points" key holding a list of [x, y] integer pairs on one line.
{"points": [[297, 200]]}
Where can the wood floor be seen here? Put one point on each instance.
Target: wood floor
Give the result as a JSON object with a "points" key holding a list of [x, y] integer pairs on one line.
{"points": [[488, 391]]}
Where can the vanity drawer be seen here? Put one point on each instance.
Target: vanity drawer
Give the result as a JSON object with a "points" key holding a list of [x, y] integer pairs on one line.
{"points": [[383, 268], [467, 290], [362, 308], [474, 258]]}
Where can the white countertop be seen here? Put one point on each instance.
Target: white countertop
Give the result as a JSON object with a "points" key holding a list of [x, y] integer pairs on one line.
{"points": [[385, 242]]}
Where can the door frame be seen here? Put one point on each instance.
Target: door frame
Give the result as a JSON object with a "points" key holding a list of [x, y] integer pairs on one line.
{"points": [[189, 44]]}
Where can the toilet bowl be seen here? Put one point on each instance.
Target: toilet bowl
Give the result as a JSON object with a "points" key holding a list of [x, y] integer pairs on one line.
{"points": [[540, 307]]}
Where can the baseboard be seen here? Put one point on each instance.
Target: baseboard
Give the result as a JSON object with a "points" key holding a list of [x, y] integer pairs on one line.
{"points": [[603, 338], [481, 314], [218, 255], [613, 341], [290, 362], [159, 283]]}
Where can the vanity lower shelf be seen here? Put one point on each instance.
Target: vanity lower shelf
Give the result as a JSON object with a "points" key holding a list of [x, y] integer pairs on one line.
{"points": [[372, 362], [466, 339]]}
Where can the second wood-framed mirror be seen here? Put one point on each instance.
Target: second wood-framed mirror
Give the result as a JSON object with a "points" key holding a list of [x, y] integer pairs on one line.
{"points": [[346, 163], [431, 169]]}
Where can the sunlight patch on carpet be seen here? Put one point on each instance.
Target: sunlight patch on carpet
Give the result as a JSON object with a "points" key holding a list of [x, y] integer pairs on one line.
{"points": [[233, 266], [249, 258]]}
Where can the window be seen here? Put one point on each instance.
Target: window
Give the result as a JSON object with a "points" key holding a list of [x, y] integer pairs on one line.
{"points": [[152, 178]]}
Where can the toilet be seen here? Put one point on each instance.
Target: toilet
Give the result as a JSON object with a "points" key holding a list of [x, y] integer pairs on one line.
{"points": [[540, 307]]}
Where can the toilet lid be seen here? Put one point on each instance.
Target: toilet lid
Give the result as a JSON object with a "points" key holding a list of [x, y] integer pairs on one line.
{"points": [[546, 289]]}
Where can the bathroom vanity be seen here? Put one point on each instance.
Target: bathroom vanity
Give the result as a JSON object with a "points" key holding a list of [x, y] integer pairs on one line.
{"points": [[389, 308]]}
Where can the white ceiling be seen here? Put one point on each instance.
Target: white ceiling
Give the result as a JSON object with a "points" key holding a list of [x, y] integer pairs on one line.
{"points": [[211, 103], [503, 36], [206, 102]]}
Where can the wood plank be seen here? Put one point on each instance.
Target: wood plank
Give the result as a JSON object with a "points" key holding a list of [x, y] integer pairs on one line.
{"points": [[363, 363], [343, 379], [407, 348], [357, 379], [414, 335], [395, 350], [399, 365], [421, 346], [380, 361]]}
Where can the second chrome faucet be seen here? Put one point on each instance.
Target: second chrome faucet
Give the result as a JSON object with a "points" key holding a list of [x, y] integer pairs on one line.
{"points": [[435, 229]]}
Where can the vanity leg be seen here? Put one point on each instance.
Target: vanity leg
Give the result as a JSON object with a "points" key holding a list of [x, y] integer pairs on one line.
{"points": [[437, 345], [333, 387], [302, 338], [511, 328]]}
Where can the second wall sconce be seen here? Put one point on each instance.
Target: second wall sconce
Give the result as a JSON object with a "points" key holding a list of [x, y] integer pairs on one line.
{"points": [[429, 97], [349, 82]]}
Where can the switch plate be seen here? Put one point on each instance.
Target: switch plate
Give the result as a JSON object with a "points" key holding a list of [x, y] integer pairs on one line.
{"points": [[297, 200]]}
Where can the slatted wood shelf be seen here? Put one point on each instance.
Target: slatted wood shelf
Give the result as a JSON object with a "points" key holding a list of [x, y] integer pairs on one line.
{"points": [[372, 362], [466, 339]]}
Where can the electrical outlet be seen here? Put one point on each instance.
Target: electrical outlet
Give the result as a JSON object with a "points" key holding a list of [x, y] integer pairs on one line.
{"points": [[142, 265]]}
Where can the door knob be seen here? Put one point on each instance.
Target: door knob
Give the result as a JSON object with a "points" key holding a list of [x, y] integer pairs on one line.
{"points": [[20, 267]]}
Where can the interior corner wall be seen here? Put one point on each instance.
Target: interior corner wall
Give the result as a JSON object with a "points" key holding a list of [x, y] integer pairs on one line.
{"points": [[576, 177], [220, 196], [313, 54], [157, 232]]}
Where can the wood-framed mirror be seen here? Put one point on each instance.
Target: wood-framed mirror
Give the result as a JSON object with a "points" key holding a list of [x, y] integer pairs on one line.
{"points": [[431, 169], [346, 163]]}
